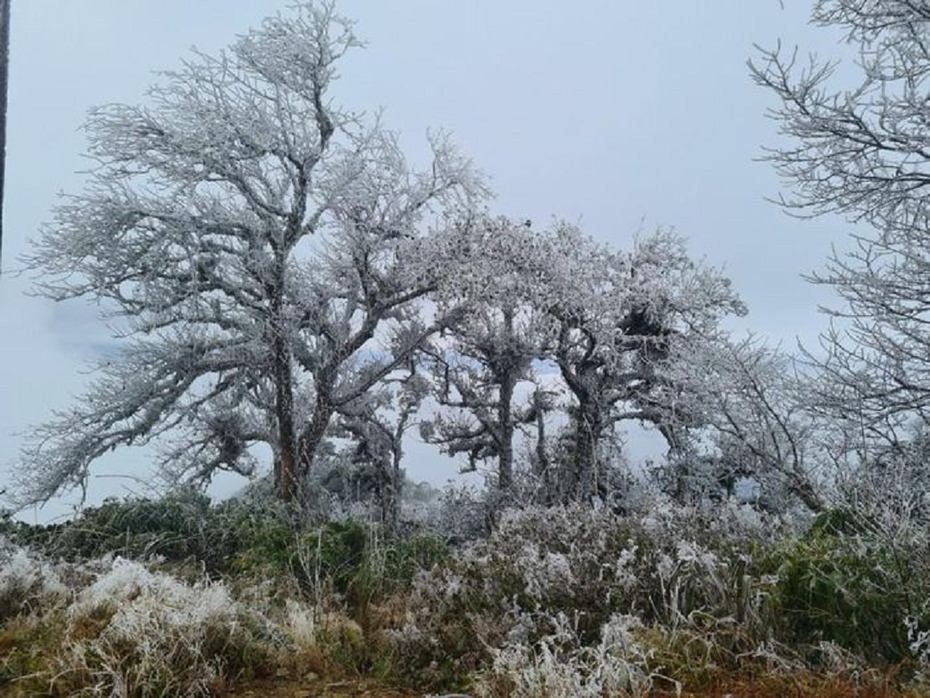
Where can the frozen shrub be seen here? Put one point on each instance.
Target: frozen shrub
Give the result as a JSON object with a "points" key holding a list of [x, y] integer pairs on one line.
{"points": [[919, 646], [461, 513], [301, 623], [669, 565], [138, 633], [632, 660], [142, 598], [559, 666], [27, 580]]}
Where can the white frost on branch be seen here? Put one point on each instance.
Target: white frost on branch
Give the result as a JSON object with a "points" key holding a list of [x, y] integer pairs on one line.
{"points": [[254, 245]]}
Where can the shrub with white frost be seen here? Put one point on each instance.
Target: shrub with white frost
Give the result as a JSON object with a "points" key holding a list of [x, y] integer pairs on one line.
{"points": [[504, 597], [137, 632], [559, 666], [27, 580]]}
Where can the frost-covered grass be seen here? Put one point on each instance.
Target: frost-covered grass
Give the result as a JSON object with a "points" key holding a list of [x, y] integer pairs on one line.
{"points": [[558, 666], [576, 601], [269, 598], [135, 632], [114, 627], [27, 580], [563, 601]]}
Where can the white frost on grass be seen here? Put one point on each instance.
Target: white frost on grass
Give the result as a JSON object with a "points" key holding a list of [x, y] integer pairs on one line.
{"points": [[558, 666], [142, 599], [159, 635], [27, 578]]}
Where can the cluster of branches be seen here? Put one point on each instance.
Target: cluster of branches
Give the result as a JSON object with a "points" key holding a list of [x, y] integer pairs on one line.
{"points": [[278, 273], [555, 313], [860, 150], [254, 245]]}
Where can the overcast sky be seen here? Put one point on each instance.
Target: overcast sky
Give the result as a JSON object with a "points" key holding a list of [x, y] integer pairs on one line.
{"points": [[619, 114]]}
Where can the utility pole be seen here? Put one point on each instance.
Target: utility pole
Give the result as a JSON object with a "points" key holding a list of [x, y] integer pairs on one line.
{"points": [[4, 90]]}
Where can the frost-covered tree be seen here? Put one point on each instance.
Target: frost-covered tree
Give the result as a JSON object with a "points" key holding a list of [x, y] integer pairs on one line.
{"points": [[377, 423], [861, 151], [479, 363], [751, 403], [607, 322], [893, 485], [476, 380], [543, 402], [618, 319], [255, 247]]}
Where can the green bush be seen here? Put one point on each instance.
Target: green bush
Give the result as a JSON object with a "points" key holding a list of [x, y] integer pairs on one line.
{"points": [[837, 585], [227, 538], [362, 564], [174, 527]]}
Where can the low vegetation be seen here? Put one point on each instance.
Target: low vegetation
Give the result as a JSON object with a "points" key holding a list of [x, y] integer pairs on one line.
{"points": [[182, 597]]}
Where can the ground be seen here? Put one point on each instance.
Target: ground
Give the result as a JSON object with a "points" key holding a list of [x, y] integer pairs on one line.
{"points": [[287, 688], [782, 687]]}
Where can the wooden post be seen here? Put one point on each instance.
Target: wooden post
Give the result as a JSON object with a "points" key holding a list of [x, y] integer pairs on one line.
{"points": [[4, 89]]}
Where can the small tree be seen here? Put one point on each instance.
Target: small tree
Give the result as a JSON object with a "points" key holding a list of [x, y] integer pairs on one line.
{"points": [[377, 423], [255, 246], [478, 364]]}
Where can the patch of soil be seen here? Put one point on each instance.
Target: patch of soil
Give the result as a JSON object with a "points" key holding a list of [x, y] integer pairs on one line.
{"points": [[760, 687], [797, 687], [289, 688]]}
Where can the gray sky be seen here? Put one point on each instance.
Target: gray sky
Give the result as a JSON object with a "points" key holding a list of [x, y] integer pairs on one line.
{"points": [[619, 114]]}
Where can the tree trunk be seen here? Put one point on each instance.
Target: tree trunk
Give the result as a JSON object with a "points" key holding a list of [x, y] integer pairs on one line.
{"points": [[505, 430], [391, 497], [286, 470], [543, 469], [676, 456], [508, 381], [805, 491], [588, 426], [312, 436]]}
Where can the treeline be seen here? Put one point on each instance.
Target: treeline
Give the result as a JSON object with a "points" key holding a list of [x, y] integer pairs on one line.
{"points": [[282, 280]]}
